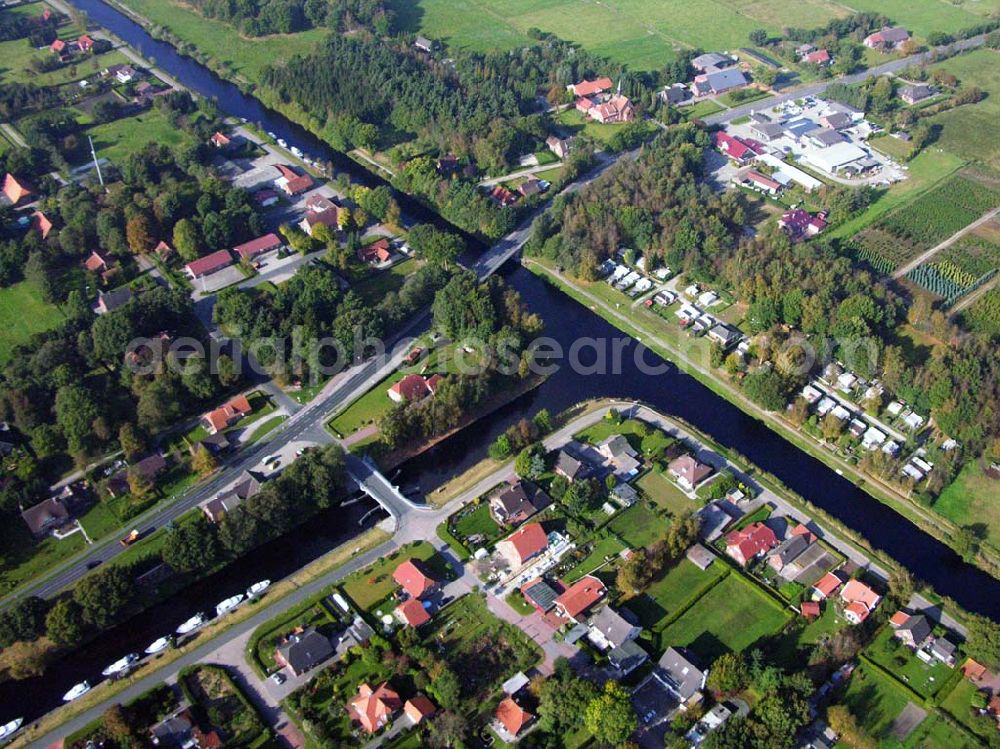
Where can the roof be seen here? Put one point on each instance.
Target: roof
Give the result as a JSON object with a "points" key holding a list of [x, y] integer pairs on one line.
{"points": [[614, 627], [916, 92], [256, 246], [899, 618], [973, 670], [581, 595], [710, 60], [699, 556], [857, 591], [943, 648], [723, 80], [540, 593], [763, 180], [305, 649], [690, 469], [836, 156], [220, 417], [790, 548], [894, 34], [515, 501], [768, 130], [918, 627], [567, 465], [49, 513], [413, 577], [412, 387], [859, 610], [373, 707], [828, 584], [681, 675], [732, 146], [419, 707], [528, 540], [826, 136], [628, 655], [112, 300], [14, 189], [809, 609], [515, 683], [41, 223], [376, 252], [751, 540], [819, 56], [616, 446], [837, 120], [588, 88], [212, 262], [512, 716], [220, 139], [413, 613], [150, 466]]}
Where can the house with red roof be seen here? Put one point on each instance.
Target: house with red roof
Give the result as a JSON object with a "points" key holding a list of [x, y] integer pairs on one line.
{"points": [[412, 613], [584, 104], [99, 263], [616, 109], [860, 601], [260, 245], [826, 586], [800, 224], [502, 196], [580, 597], [414, 387], [733, 147], [290, 182], [59, 47], [414, 577], [374, 708], [321, 210], [810, 609], [819, 57], [209, 264], [512, 718], [15, 190], [590, 88], [376, 253], [524, 544], [761, 182], [419, 708], [41, 224], [748, 543], [219, 140], [887, 38], [85, 43], [227, 414]]}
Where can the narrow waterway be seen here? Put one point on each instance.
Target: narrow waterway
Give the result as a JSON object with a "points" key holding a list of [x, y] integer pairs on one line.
{"points": [[672, 392]]}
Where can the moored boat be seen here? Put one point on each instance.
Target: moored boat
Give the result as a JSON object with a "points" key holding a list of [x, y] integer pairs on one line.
{"points": [[158, 646], [122, 664], [257, 588], [229, 604], [8, 729], [191, 624], [78, 691]]}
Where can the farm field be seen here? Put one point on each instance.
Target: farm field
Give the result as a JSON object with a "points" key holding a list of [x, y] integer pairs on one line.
{"points": [[973, 498], [730, 617], [984, 314], [977, 252], [23, 314], [925, 16], [962, 128]]}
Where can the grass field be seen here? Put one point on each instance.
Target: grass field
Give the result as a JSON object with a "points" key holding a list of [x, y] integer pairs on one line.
{"points": [[367, 409], [664, 492], [23, 314], [962, 128], [924, 16], [668, 594], [958, 704], [117, 140], [730, 617], [375, 284], [638, 525], [373, 584], [973, 499], [874, 700], [890, 653]]}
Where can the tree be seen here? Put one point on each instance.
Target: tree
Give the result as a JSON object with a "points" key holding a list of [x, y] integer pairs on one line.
{"points": [[766, 388], [187, 240], [119, 726], [983, 640], [758, 37], [75, 413], [103, 595], [610, 716], [131, 441], [562, 700], [26, 660], [140, 486], [191, 547], [203, 462], [139, 233], [530, 462], [447, 729], [64, 623], [729, 674], [543, 420], [843, 722], [23, 620]]}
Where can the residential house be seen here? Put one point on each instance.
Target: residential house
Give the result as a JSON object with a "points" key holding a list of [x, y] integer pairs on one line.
{"points": [[913, 93], [788, 550], [413, 387], [108, 301], [718, 82], [419, 708], [675, 94], [799, 224], [680, 676], [266, 198], [887, 38], [60, 48], [621, 455], [561, 147], [226, 501], [580, 597], [767, 131], [227, 414], [724, 335], [85, 43], [627, 657], [688, 471], [15, 190], [48, 515], [944, 650], [611, 629], [531, 186], [587, 88], [760, 182], [415, 579], [376, 253], [540, 594], [616, 109], [291, 182], [747, 543], [149, 468], [860, 601], [123, 73], [524, 544], [826, 586], [40, 224], [374, 708], [412, 613], [733, 147], [517, 503], [810, 609], [913, 630], [260, 245], [502, 196], [163, 250], [568, 467], [303, 650], [512, 718], [322, 210], [447, 164], [624, 494], [209, 264], [836, 120], [818, 57], [220, 140]]}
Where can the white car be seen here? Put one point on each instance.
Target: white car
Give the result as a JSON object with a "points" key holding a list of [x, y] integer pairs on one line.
{"points": [[271, 459], [278, 678]]}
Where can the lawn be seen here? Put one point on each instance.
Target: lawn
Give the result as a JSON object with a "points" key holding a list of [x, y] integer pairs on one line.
{"points": [[958, 704], [375, 284], [962, 128], [874, 699], [890, 653], [603, 548], [478, 522], [373, 584], [973, 499], [681, 584], [659, 488], [22, 314], [266, 428], [578, 124], [367, 409], [117, 140], [24, 559], [730, 617], [649, 440], [925, 16], [639, 525]]}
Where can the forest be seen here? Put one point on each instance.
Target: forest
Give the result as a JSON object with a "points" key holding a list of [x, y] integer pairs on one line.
{"points": [[262, 17]]}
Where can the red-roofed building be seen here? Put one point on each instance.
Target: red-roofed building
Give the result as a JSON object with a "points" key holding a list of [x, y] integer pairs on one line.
{"points": [[291, 182], [799, 224], [412, 613], [899, 619], [414, 577], [617, 109], [58, 46], [220, 140], [503, 196], [374, 708], [584, 104], [85, 43], [733, 147], [513, 717], [819, 57], [41, 224], [258, 246], [15, 190], [974, 671], [163, 249], [856, 612], [860, 599], [579, 597], [414, 387], [747, 543], [763, 182], [827, 586], [227, 414], [203, 266], [419, 708], [376, 253], [810, 609], [590, 88], [802, 530], [96, 262], [524, 544], [321, 210]]}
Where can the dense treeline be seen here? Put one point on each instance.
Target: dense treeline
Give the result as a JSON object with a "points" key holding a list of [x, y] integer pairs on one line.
{"points": [[263, 17], [39, 30]]}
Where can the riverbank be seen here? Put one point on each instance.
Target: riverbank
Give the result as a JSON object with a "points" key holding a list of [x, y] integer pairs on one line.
{"points": [[925, 519]]}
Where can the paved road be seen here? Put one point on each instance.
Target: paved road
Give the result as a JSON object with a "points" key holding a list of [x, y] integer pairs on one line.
{"points": [[815, 89]]}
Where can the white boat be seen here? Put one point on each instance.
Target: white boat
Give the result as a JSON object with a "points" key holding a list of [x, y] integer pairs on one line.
{"points": [[296, 152], [122, 664], [229, 604], [191, 624], [8, 729], [257, 588], [78, 691], [159, 646], [282, 142], [271, 135]]}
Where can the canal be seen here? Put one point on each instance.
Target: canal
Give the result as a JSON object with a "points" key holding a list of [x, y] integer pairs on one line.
{"points": [[672, 392]]}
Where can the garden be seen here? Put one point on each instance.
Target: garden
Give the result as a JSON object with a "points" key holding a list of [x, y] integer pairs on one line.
{"points": [[370, 587], [667, 598], [926, 679], [212, 690]]}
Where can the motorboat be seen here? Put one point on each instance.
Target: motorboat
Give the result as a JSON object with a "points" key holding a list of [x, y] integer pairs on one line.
{"points": [[271, 135], [159, 646], [9, 729], [122, 664], [191, 624], [257, 588], [78, 691], [282, 142], [229, 604], [296, 152]]}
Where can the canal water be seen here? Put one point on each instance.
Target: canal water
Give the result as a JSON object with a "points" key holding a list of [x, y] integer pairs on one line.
{"points": [[672, 392]]}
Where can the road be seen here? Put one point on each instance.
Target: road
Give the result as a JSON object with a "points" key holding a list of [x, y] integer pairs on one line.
{"points": [[419, 523], [815, 89], [923, 257]]}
